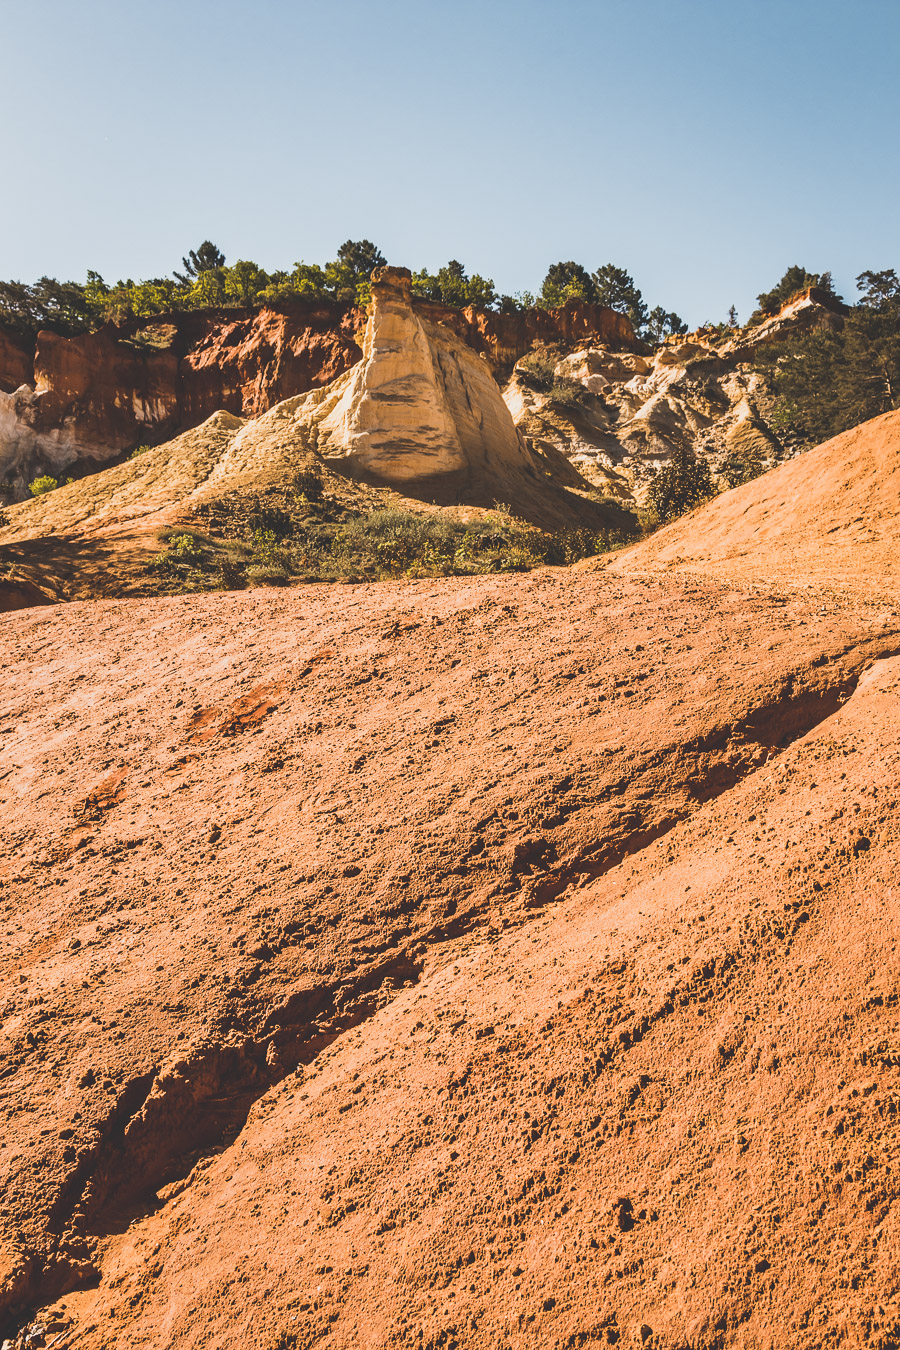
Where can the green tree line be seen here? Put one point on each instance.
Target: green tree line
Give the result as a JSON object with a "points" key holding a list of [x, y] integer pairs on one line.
{"points": [[831, 378], [206, 281]]}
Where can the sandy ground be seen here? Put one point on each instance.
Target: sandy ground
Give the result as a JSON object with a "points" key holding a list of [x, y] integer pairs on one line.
{"points": [[827, 518], [499, 962]]}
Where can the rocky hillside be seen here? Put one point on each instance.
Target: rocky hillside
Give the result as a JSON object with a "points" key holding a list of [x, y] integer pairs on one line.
{"points": [[510, 961], [419, 414], [73, 404], [618, 415], [87, 399], [615, 408]]}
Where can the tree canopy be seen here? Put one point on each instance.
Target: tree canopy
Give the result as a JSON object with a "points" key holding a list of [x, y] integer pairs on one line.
{"points": [[205, 281], [615, 288], [567, 281], [795, 281], [831, 378], [611, 286], [206, 258], [451, 285]]}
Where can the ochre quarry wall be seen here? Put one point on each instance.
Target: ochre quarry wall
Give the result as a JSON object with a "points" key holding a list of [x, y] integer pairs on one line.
{"points": [[16, 361], [77, 403], [420, 404], [80, 402], [505, 338]]}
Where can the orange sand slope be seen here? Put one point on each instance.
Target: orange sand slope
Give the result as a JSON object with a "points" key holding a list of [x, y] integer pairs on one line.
{"points": [[505, 962], [829, 515]]}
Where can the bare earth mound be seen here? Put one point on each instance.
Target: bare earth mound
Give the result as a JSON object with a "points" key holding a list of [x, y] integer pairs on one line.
{"points": [[827, 517], [505, 962]]}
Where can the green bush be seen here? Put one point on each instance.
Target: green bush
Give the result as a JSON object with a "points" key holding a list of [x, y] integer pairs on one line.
{"points": [[684, 483], [266, 547], [538, 368], [42, 485], [182, 553], [266, 572], [381, 544]]}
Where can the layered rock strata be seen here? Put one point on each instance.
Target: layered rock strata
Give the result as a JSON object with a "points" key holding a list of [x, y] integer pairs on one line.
{"points": [[77, 403], [420, 414], [420, 404], [619, 415], [87, 399]]}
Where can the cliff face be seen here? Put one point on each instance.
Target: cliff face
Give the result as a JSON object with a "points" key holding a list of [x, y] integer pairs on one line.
{"points": [[78, 403], [422, 412], [505, 338], [82, 401]]}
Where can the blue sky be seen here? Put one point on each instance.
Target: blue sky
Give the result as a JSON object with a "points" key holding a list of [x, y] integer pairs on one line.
{"points": [[702, 144]]}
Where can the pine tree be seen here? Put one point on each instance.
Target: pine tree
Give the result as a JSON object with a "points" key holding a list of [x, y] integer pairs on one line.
{"points": [[684, 483], [615, 288], [566, 281], [206, 258]]}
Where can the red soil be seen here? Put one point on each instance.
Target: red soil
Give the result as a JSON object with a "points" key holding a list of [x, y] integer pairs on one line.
{"points": [[828, 517], [499, 962]]}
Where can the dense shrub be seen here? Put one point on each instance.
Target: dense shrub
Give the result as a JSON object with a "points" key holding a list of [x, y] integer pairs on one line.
{"points": [[538, 369], [181, 560], [42, 485], [742, 469], [308, 485], [376, 545], [685, 482]]}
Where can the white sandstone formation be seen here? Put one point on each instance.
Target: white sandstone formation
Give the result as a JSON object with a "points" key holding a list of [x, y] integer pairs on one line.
{"points": [[696, 390], [420, 404]]}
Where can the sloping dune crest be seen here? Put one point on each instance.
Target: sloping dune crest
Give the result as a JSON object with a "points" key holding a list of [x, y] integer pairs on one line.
{"points": [[498, 962], [826, 517]]}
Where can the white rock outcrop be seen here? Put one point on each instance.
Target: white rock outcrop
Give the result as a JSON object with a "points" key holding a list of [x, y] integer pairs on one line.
{"points": [[420, 404], [634, 411]]}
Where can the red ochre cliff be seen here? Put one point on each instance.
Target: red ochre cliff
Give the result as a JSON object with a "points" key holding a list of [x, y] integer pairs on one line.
{"points": [[84, 400]]}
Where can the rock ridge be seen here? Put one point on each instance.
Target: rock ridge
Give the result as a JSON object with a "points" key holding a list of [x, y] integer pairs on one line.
{"points": [[77, 403]]}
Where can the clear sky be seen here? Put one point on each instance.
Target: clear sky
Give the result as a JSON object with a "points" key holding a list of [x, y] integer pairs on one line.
{"points": [[704, 145]]}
